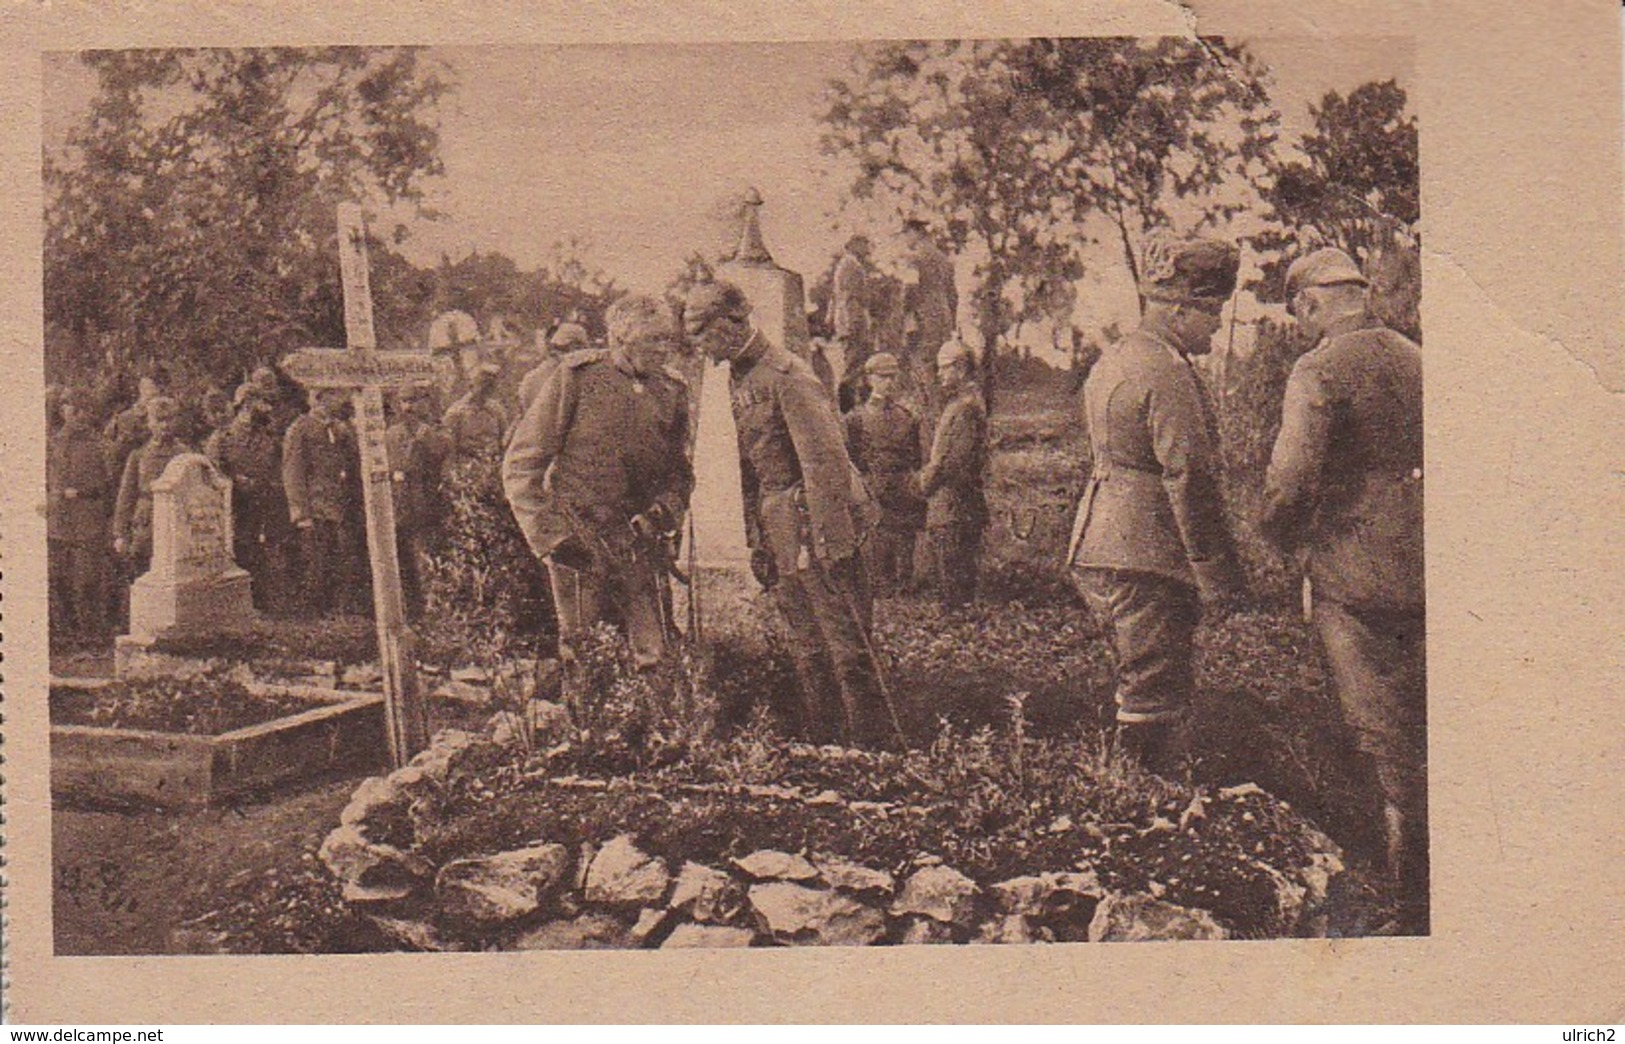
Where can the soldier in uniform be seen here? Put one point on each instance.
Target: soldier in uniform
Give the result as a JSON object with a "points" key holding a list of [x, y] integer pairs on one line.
{"points": [[1150, 546], [1344, 491], [132, 513], [849, 314], [127, 429], [569, 337], [883, 439], [930, 305], [476, 423], [248, 451], [78, 489], [598, 476], [320, 473], [418, 451], [805, 516], [954, 476]]}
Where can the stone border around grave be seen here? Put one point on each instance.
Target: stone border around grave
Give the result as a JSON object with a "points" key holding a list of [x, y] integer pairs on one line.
{"points": [[610, 894], [177, 770]]}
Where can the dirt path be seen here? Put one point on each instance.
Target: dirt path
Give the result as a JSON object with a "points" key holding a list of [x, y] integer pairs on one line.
{"points": [[125, 881]]}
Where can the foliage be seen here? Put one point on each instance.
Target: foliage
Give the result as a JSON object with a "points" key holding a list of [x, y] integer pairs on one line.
{"points": [[483, 585], [209, 702], [1357, 187], [1010, 145], [191, 219]]}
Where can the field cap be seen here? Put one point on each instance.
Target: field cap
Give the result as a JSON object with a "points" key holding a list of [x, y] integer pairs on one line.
{"points": [[1327, 266], [1189, 271], [882, 364]]}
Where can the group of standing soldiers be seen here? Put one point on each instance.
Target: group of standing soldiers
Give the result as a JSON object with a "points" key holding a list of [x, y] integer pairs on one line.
{"points": [[1151, 549], [298, 524]]}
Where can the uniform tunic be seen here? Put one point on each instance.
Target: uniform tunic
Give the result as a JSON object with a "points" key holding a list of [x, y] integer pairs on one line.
{"points": [[1344, 489], [1153, 531], [320, 476], [249, 452], [77, 526], [805, 512], [953, 482], [883, 439], [476, 428], [132, 513], [600, 445]]}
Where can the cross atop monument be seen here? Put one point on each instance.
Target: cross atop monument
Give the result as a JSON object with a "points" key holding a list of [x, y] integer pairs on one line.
{"points": [[364, 370]]}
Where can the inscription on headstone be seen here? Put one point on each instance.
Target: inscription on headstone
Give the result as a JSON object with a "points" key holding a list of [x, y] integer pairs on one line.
{"points": [[193, 586]]}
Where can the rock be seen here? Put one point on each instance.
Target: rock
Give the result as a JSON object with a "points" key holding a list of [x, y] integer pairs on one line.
{"points": [[1064, 903], [366, 895], [923, 931], [768, 865], [1011, 929], [647, 931], [940, 893], [463, 692], [708, 937], [470, 675], [362, 676], [503, 887], [198, 941], [594, 931], [446, 751], [794, 913], [707, 894], [505, 729], [850, 877], [621, 874], [414, 935], [550, 721], [1139, 918], [354, 860], [378, 809]]}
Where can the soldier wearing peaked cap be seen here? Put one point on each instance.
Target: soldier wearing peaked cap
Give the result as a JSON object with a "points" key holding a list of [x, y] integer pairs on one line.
{"points": [[883, 439], [806, 512], [476, 423], [597, 474], [953, 477], [1150, 544], [569, 337], [1344, 491]]}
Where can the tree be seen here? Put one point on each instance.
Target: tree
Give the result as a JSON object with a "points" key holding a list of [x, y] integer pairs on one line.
{"points": [[1011, 145], [1147, 122], [191, 218], [1356, 185]]}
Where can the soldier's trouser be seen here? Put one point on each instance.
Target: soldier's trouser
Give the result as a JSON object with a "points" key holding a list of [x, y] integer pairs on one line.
{"points": [[320, 551], [76, 584], [1378, 661], [889, 555], [824, 614], [583, 598], [957, 553], [1152, 621]]}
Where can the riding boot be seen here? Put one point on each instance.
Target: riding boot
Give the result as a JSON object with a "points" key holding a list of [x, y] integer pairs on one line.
{"points": [[1159, 747]]}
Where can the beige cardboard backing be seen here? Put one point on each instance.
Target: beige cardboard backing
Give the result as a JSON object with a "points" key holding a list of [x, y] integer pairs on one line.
{"points": [[1521, 110]]}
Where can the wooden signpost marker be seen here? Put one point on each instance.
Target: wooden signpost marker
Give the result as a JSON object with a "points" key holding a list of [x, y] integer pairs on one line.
{"points": [[364, 370]]}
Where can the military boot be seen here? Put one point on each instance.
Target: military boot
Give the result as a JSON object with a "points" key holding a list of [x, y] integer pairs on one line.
{"points": [[1159, 747]]}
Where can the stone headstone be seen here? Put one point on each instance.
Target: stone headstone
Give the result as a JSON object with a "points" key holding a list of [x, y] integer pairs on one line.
{"points": [[193, 587]]}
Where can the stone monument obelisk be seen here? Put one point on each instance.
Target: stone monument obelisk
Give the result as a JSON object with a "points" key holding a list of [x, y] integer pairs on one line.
{"points": [[717, 507]]}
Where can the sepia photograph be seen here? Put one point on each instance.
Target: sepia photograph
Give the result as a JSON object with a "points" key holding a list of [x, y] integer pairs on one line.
{"points": [[894, 492], [505, 501]]}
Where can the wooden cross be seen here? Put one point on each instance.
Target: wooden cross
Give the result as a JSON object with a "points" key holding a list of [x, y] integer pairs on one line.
{"points": [[364, 370]]}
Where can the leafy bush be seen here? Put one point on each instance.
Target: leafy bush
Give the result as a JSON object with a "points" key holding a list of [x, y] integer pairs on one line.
{"points": [[482, 579]]}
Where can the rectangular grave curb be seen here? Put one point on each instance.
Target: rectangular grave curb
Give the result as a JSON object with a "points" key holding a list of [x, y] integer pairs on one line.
{"points": [[176, 770]]}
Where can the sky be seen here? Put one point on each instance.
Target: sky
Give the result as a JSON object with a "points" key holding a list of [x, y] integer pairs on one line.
{"points": [[639, 150]]}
